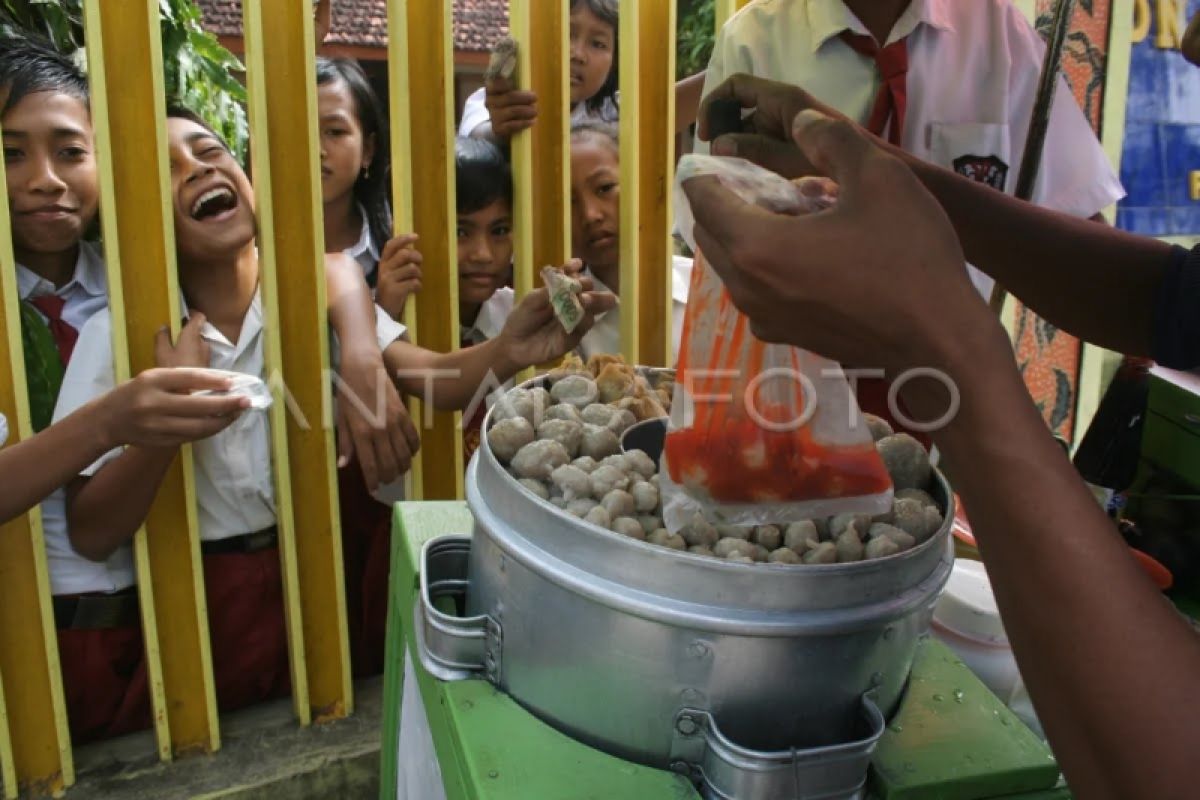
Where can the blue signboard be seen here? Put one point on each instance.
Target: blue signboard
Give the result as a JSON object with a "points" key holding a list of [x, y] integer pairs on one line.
{"points": [[1160, 165]]}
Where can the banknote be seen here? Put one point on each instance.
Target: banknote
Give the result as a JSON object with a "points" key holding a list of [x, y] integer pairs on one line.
{"points": [[564, 297]]}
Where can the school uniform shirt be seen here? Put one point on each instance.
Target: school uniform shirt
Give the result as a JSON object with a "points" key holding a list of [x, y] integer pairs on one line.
{"points": [[475, 112], [235, 491], [974, 67], [365, 251], [84, 295], [490, 320], [605, 335]]}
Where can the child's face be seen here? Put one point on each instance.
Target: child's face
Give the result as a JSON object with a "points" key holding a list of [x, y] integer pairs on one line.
{"points": [[595, 202], [49, 158], [484, 252], [212, 198], [345, 152], [592, 43]]}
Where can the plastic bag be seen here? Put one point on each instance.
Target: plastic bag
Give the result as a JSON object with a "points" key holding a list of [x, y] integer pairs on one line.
{"points": [[760, 433]]}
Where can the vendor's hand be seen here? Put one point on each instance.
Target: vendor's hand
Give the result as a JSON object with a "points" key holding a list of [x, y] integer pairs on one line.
{"points": [[189, 350], [878, 281], [512, 110], [533, 335], [157, 408], [767, 137], [372, 422], [399, 274]]}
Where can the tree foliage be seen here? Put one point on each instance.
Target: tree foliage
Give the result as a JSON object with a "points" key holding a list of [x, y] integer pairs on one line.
{"points": [[199, 72], [696, 32]]}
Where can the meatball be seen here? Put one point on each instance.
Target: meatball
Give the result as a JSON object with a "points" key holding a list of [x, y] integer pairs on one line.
{"points": [[784, 556], [619, 503], [824, 553], [798, 534], [645, 497], [839, 523], [768, 536], [575, 390], [536, 487], [598, 516], [639, 462], [606, 479], [629, 527], [902, 540], [514, 403], [598, 414], [727, 547], [734, 531], [849, 545], [564, 412], [906, 461], [881, 547], [581, 507], [702, 550], [508, 436], [598, 442], [664, 538], [698, 531], [573, 482], [539, 459], [617, 461], [650, 524], [920, 495], [585, 463], [568, 434], [910, 516], [621, 421]]}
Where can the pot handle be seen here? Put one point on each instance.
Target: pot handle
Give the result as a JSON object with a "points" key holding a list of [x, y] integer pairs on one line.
{"points": [[728, 771], [452, 648]]}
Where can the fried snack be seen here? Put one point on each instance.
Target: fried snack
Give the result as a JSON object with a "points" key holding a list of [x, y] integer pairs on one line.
{"points": [[601, 360], [615, 381], [643, 408]]}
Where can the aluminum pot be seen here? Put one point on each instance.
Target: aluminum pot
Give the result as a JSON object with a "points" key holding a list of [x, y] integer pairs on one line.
{"points": [[628, 647]]}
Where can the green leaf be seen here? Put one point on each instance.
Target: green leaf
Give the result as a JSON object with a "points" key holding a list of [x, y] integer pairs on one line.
{"points": [[43, 366]]}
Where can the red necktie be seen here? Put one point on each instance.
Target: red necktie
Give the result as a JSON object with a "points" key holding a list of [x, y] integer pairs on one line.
{"points": [[892, 101], [51, 305]]}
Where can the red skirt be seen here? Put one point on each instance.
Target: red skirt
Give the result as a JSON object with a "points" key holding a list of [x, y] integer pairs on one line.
{"points": [[247, 627]]}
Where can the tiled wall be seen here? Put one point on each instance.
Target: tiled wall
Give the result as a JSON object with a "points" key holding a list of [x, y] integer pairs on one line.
{"points": [[1162, 139]]}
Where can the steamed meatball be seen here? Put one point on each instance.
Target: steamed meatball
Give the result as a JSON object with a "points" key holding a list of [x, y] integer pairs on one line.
{"points": [[598, 414], [701, 550], [734, 531], [784, 556], [838, 524], [508, 436], [902, 540], [629, 527], [639, 462], [562, 411], [617, 461], [575, 390], [621, 421], [824, 553], [585, 463], [536, 487], [769, 536], [514, 403], [727, 547], [879, 427], [698, 531], [568, 434], [619, 503], [606, 479], [849, 545], [645, 497], [598, 516], [598, 442], [920, 495], [572, 482], [881, 547], [917, 520], [798, 534], [906, 461], [539, 459], [581, 507], [665, 538]]}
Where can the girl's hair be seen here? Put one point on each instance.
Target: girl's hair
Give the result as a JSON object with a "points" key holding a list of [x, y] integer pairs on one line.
{"points": [[483, 175], [371, 188], [606, 11], [29, 65], [602, 132]]}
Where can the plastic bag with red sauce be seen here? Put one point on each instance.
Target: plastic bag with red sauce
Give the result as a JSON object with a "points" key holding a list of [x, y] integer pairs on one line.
{"points": [[760, 433]]}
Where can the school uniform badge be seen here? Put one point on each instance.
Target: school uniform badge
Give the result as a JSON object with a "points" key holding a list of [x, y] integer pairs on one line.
{"points": [[983, 169]]}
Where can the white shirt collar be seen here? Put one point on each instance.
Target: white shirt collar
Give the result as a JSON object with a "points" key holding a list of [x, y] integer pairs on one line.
{"points": [[252, 325], [829, 18], [491, 318], [90, 276], [364, 249]]}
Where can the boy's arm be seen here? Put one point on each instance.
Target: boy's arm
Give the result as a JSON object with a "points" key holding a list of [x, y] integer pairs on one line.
{"points": [[105, 511], [531, 335], [372, 421], [153, 407]]}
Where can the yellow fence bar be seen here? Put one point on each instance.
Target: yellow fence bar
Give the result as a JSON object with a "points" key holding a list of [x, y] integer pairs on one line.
{"points": [[549, 46], [35, 749], [629, 32], [400, 108], [656, 170], [286, 168], [430, 60], [128, 109], [520, 27]]}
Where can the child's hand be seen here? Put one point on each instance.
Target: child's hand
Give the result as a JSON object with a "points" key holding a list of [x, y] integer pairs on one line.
{"points": [[533, 335], [190, 350], [157, 409], [399, 274], [372, 421], [511, 110]]}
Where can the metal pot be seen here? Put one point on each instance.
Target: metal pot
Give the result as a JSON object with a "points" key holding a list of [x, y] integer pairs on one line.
{"points": [[615, 642]]}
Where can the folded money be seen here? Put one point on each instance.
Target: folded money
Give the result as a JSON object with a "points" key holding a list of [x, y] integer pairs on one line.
{"points": [[503, 62], [564, 297]]}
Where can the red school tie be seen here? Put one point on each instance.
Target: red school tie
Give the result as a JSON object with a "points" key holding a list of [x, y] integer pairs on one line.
{"points": [[892, 102], [65, 336]]}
